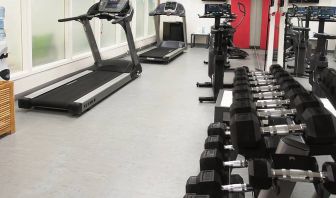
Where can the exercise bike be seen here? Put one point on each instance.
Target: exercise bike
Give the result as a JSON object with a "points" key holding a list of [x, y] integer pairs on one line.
{"points": [[219, 56]]}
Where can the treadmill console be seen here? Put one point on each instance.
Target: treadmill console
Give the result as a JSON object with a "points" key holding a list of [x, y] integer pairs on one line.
{"points": [[113, 6], [323, 12], [170, 6], [298, 12], [217, 9]]}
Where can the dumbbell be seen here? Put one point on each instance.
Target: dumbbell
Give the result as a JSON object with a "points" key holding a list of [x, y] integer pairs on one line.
{"points": [[209, 183], [262, 175], [245, 91], [222, 145], [212, 159], [247, 106], [246, 132], [239, 77]]}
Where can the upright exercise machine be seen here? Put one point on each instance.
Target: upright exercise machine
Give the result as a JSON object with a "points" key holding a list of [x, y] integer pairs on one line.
{"points": [[217, 58], [82, 91], [166, 50]]}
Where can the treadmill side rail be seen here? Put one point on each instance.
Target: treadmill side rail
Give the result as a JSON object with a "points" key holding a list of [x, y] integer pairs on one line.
{"points": [[89, 100], [56, 85]]}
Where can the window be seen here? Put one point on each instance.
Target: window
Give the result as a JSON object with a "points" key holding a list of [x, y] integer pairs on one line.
{"points": [[79, 43], [108, 33], [48, 38], [151, 7], [13, 31], [46, 41], [140, 16]]}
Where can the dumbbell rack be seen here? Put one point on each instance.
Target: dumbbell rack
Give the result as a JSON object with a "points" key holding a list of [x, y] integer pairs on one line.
{"points": [[289, 145]]}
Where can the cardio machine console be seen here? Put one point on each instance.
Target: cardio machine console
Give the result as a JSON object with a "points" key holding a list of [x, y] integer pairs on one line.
{"points": [[170, 7], [323, 12], [298, 12], [217, 9], [113, 6]]}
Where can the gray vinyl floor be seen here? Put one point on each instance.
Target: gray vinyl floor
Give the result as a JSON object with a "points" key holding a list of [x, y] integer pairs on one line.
{"points": [[144, 141]]}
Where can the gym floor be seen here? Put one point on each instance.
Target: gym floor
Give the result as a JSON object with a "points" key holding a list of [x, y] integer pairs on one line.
{"points": [[144, 141]]}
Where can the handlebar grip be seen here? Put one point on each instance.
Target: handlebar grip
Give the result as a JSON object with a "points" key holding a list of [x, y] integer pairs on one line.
{"points": [[72, 18]]}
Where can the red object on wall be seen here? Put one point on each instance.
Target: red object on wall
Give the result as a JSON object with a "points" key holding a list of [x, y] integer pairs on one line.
{"points": [[242, 36], [264, 26]]}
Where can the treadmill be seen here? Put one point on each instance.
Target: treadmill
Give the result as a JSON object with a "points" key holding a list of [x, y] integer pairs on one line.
{"points": [[167, 50], [84, 90]]}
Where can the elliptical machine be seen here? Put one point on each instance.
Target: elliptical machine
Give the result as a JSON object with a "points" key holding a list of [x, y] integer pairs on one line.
{"points": [[217, 59], [4, 70]]}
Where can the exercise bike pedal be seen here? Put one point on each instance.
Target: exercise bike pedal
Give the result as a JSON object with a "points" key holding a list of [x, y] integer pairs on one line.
{"points": [[206, 99], [204, 85]]}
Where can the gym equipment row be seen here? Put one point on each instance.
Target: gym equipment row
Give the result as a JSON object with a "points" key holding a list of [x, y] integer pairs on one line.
{"points": [[279, 128]]}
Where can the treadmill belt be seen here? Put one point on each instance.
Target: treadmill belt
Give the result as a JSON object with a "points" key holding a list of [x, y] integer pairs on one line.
{"points": [[64, 95], [158, 52]]}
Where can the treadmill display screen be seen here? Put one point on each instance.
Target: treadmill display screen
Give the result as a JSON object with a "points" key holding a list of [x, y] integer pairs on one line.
{"points": [[112, 6], [170, 6], [112, 3], [217, 8], [326, 12]]}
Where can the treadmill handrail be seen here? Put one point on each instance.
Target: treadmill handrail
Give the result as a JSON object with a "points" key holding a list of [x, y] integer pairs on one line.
{"points": [[80, 17]]}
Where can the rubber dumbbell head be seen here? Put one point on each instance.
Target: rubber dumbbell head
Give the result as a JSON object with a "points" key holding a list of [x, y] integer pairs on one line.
{"points": [[242, 106], [260, 175], [206, 183], [217, 142], [320, 126], [330, 171], [245, 131]]}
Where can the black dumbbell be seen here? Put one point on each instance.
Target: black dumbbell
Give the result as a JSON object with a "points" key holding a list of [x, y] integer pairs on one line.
{"points": [[224, 146], [257, 96], [246, 132], [261, 175], [249, 107], [209, 183], [248, 88]]}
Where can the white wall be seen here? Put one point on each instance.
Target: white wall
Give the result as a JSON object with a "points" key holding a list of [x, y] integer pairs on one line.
{"points": [[329, 27]]}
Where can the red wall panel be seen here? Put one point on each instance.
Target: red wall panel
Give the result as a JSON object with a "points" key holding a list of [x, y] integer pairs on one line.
{"points": [[264, 26], [242, 36]]}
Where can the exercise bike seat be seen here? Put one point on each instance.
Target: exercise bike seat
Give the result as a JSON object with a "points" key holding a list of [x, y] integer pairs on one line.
{"points": [[325, 36]]}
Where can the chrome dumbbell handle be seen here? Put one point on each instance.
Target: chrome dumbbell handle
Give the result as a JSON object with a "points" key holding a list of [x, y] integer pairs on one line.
{"points": [[272, 103], [298, 175], [261, 77], [265, 88], [283, 129], [262, 82], [269, 95], [236, 188], [236, 164], [276, 113]]}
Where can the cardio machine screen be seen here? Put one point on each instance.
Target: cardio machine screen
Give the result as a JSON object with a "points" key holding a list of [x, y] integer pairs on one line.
{"points": [[326, 13], [112, 3], [217, 8], [170, 6], [112, 6]]}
